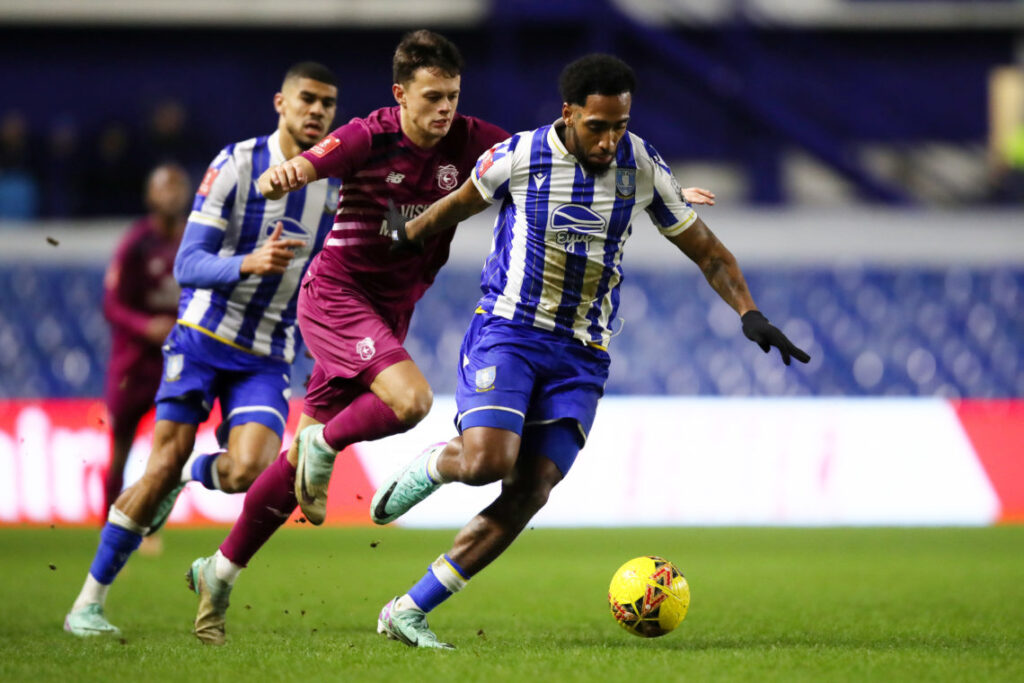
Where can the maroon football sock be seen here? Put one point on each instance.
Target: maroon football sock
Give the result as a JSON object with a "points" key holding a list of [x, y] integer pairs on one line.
{"points": [[268, 504], [365, 419]]}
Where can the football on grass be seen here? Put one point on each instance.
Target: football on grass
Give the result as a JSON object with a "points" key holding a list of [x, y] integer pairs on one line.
{"points": [[649, 596]]}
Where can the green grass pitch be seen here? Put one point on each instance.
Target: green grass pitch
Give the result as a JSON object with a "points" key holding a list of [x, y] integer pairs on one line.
{"points": [[768, 605]]}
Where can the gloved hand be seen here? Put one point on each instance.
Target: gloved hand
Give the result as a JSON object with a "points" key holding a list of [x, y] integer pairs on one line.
{"points": [[400, 242], [764, 334]]}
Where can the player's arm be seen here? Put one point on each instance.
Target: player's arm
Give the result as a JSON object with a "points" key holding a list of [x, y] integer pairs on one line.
{"points": [[199, 263], [294, 174], [724, 275], [717, 264], [441, 215], [116, 308], [698, 195]]}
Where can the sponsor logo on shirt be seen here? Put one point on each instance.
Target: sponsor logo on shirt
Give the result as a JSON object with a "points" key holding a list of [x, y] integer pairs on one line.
{"points": [[324, 146], [207, 184], [575, 225], [447, 177], [394, 177], [366, 348]]}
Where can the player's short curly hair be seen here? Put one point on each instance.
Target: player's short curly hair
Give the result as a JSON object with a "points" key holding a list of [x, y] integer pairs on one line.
{"points": [[595, 74], [312, 70], [425, 49]]}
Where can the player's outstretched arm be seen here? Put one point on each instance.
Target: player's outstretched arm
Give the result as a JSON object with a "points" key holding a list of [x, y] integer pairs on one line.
{"points": [[725, 277], [698, 195], [442, 214], [277, 181]]}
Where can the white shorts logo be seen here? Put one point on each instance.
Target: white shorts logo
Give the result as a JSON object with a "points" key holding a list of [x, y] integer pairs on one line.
{"points": [[366, 349], [173, 367], [485, 378]]}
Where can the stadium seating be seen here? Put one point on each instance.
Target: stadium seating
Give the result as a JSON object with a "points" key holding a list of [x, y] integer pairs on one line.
{"points": [[871, 332]]}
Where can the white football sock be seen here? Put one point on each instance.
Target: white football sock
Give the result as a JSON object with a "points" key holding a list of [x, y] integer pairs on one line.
{"points": [[446, 574], [405, 602], [118, 518], [186, 471], [225, 570], [92, 592], [432, 470], [214, 474]]}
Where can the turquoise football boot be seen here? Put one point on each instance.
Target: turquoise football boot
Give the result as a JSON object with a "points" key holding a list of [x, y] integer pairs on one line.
{"points": [[313, 474], [214, 597], [408, 626], [403, 490], [89, 621]]}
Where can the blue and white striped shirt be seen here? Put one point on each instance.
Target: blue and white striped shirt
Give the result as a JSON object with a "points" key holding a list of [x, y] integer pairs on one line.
{"points": [[229, 219], [558, 240]]}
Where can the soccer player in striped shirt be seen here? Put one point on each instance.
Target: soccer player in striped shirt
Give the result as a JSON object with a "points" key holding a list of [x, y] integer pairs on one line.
{"points": [[240, 264], [534, 361], [358, 297]]}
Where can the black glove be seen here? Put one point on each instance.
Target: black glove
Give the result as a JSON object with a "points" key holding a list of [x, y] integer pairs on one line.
{"points": [[764, 334], [400, 241]]}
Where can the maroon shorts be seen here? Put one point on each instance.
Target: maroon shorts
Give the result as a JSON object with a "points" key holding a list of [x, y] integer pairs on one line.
{"points": [[351, 340], [130, 391]]}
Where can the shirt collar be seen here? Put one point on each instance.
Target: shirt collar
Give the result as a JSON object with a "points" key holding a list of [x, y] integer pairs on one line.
{"points": [[274, 145], [555, 142]]}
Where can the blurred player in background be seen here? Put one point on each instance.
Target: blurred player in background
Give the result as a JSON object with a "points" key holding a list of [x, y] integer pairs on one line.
{"points": [[140, 302], [358, 296], [240, 264], [534, 361]]}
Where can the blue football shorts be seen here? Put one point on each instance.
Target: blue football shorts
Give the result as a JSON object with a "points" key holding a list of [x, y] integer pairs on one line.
{"points": [[199, 369], [511, 375]]}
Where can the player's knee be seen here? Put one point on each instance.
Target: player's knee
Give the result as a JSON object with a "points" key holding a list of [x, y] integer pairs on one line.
{"points": [[240, 475], [413, 405], [480, 467], [529, 500]]}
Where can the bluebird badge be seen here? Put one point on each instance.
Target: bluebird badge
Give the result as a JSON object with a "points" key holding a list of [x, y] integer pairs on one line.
{"points": [[485, 378], [625, 182], [173, 366]]}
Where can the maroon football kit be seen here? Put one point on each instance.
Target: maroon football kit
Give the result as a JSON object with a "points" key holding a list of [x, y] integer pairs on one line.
{"points": [[139, 285], [357, 297]]}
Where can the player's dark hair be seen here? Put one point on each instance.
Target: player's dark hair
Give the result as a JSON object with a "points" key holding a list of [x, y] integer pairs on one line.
{"points": [[313, 71], [595, 74], [425, 49]]}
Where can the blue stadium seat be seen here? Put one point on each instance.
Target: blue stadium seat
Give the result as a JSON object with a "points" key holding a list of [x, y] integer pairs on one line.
{"points": [[871, 332]]}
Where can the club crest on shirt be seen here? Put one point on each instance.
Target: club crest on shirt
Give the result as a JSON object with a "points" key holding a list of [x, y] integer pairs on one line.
{"points": [[173, 366], [366, 348], [485, 378], [625, 182], [447, 177]]}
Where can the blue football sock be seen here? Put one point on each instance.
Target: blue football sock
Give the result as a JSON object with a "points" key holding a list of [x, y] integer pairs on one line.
{"points": [[203, 471], [116, 545], [429, 592]]}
